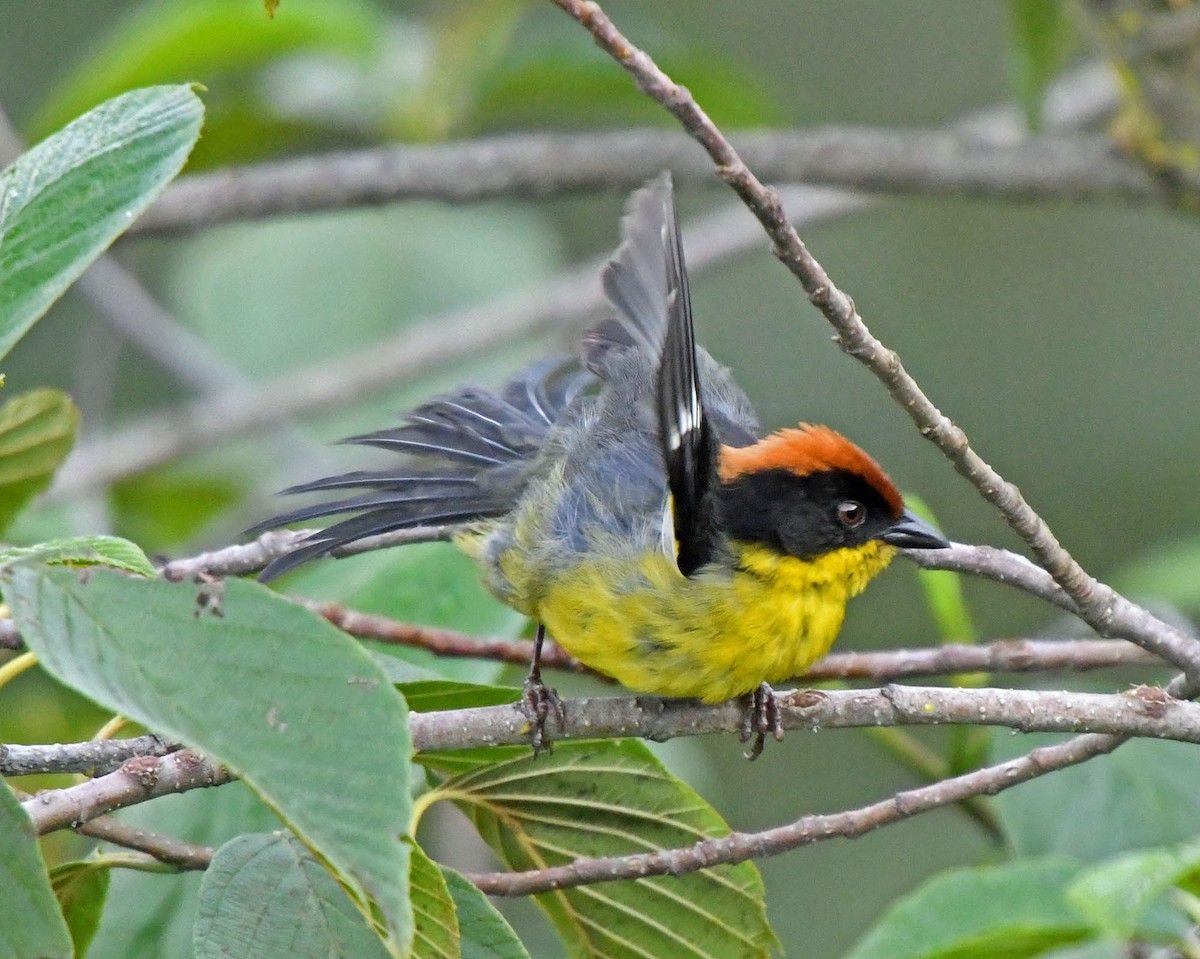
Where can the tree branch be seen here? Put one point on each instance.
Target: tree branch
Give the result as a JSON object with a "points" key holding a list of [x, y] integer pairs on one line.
{"points": [[141, 778], [94, 758], [540, 165], [1145, 711], [1097, 604]]}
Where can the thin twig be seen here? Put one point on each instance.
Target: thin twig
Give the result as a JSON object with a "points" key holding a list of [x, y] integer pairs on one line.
{"points": [[93, 758], [1098, 605], [176, 852], [250, 557], [1000, 656], [740, 846], [539, 165]]}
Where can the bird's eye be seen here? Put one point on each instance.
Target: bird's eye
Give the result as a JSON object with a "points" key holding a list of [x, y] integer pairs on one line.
{"points": [[851, 513]]}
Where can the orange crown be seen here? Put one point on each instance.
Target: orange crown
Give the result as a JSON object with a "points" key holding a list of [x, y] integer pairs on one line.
{"points": [[809, 449]]}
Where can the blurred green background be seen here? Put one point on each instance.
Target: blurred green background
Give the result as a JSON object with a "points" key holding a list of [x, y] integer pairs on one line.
{"points": [[1062, 338]]}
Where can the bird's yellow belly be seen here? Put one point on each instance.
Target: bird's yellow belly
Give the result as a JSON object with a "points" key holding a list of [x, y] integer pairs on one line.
{"points": [[716, 635]]}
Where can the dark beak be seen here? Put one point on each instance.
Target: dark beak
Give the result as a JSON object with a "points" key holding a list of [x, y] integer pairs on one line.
{"points": [[912, 532]]}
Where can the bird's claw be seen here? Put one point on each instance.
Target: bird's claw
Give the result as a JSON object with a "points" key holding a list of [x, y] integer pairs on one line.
{"points": [[538, 703], [763, 715]]}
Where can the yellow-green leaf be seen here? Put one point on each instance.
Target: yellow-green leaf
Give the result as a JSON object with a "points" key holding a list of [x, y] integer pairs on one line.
{"points": [[83, 551], [612, 798], [81, 888], [485, 933], [435, 921], [37, 430]]}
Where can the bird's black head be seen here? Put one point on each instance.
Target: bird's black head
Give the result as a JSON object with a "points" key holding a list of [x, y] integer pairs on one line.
{"points": [[810, 491]]}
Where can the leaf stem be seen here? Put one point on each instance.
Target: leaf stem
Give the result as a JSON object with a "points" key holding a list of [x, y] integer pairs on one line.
{"points": [[15, 666]]}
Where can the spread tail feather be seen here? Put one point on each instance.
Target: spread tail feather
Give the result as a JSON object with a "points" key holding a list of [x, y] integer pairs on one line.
{"points": [[466, 458]]}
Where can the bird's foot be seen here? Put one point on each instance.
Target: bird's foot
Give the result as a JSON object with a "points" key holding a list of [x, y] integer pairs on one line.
{"points": [[539, 702], [763, 715]]}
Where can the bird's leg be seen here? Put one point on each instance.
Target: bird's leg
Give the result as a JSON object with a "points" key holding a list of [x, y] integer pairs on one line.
{"points": [[762, 716], [537, 699]]}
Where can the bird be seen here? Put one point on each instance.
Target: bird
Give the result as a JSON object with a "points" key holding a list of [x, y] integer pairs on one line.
{"points": [[627, 501]]}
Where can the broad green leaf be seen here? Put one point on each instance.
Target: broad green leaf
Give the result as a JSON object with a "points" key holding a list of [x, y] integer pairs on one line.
{"points": [[81, 888], [1144, 794], [25, 891], [82, 551], [436, 924], [67, 199], [1042, 38], [994, 912], [1117, 894], [265, 896], [427, 696], [203, 40], [604, 799], [259, 684], [152, 915], [485, 933], [37, 430]]}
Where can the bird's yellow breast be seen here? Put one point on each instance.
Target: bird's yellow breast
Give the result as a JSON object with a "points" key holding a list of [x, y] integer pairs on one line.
{"points": [[715, 635]]}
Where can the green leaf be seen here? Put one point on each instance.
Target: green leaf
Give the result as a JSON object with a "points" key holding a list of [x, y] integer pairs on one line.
{"points": [[25, 891], [943, 591], [1170, 571], [152, 915], [257, 683], [82, 551], [37, 430], [204, 40], [1145, 794], [554, 90], [469, 37], [167, 507], [485, 933], [81, 888], [67, 199], [427, 696], [265, 896], [605, 799], [436, 935], [994, 912], [1042, 38], [1117, 894]]}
